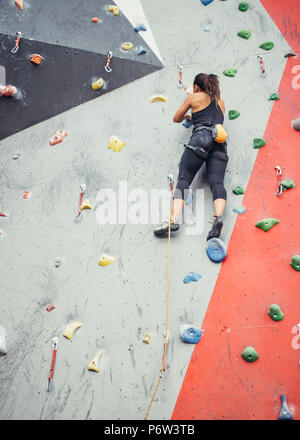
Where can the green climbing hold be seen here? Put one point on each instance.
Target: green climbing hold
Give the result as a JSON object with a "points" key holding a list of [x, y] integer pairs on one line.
{"points": [[230, 72], [244, 34], [267, 223], [259, 142], [296, 262], [238, 190], [274, 97], [233, 114], [275, 313], [287, 184], [249, 354], [243, 6], [268, 45]]}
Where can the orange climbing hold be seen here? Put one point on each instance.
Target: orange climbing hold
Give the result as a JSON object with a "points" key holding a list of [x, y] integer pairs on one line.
{"points": [[20, 4], [26, 194], [58, 137], [36, 58], [95, 20]]}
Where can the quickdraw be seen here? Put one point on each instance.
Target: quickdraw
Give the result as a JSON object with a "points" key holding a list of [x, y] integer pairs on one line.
{"points": [[171, 182], [107, 65], [279, 186], [54, 350], [180, 82], [262, 67], [82, 191], [16, 47]]}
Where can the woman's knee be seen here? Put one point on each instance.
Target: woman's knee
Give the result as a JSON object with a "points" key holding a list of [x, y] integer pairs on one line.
{"points": [[218, 191]]}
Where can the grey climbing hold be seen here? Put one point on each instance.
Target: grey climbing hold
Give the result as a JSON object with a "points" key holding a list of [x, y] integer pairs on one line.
{"points": [[190, 334], [275, 313], [249, 354], [285, 413], [3, 350], [296, 124]]}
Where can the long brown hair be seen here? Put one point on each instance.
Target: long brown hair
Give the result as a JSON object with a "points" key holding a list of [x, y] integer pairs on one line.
{"points": [[208, 84]]}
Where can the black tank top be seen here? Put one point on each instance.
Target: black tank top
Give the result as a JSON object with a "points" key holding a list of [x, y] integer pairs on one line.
{"points": [[210, 115]]}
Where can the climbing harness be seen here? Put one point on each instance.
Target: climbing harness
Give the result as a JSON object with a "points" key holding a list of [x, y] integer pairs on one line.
{"points": [[261, 63], [218, 134], [180, 82], [166, 333], [16, 47], [279, 186], [82, 191], [54, 350], [171, 182], [107, 65]]}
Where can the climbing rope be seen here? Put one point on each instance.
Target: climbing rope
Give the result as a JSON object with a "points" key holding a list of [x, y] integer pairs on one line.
{"points": [[163, 368]]}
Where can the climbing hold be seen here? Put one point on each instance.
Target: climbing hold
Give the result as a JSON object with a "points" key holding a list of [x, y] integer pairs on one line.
{"points": [[114, 9], [238, 190], [127, 45], [206, 28], [239, 210], [26, 194], [275, 313], [140, 27], [206, 2], [148, 338], [296, 124], [71, 328], [285, 413], [16, 156], [267, 223], [287, 184], [50, 308], [296, 262], [2, 340], [268, 45], [20, 4], [156, 98], [192, 276], [187, 123], [116, 144], [36, 58], [274, 97], [95, 20], [245, 34], [230, 72], [190, 334], [216, 250], [141, 50], [58, 137], [249, 354], [96, 85], [2, 213], [105, 260], [259, 142], [290, 54], [86, 204], [233, 114], [57, 262], [8, 90], [243, 6], [94, 364]]}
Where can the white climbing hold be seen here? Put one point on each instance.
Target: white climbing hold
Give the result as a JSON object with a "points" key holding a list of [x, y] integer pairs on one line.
{"points": [[94, 364], [86, 204], [148, 338], [105, 260], [3, 350], [157, 98], [71, 328]]}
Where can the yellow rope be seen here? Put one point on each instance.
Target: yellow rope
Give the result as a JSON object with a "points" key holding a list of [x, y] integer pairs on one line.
{"points": [[163, 368]]}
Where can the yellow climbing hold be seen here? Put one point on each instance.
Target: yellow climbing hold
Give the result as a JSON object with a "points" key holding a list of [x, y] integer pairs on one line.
{"points": [[116, 144], [86, 204], [156, 98], [98, 84], [148, 338], [94, 364], [114, 9], [127, 45], [71, 328], [105, 260]]}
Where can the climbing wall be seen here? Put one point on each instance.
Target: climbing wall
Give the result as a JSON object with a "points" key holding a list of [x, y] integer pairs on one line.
{"points": [[48, 258]]}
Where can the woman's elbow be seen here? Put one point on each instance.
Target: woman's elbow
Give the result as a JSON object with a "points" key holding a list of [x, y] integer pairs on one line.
{"points": [[175, 119]]}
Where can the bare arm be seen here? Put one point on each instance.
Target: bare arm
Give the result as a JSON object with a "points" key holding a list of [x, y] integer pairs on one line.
{"points": [[180, 115], [222, 105]]}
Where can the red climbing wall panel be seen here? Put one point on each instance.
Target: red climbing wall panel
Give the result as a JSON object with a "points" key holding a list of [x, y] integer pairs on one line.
{"points": [[219, 384]]}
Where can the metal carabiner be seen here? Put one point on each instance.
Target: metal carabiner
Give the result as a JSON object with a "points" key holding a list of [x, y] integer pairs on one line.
{"points": [[279, 186], [109, 56], [16, 47], [180, 82]]}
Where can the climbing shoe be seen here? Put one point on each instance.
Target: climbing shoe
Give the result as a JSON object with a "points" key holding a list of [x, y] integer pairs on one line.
{"points": [[216, 228], [163, 230]]}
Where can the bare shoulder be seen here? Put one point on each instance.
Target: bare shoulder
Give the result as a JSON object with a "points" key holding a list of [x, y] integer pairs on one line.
{"points": [[222, 105]]}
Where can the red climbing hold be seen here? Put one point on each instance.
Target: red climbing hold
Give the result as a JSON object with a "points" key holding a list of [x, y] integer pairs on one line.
{"points": [[20, 4], [58, 137], [8, 90]]}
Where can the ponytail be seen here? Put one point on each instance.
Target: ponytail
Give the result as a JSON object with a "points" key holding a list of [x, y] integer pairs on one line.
{"points": [[208, 84]]}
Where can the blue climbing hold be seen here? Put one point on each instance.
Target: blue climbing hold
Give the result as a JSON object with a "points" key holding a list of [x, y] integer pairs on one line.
{"points": [[239, 210], [285, 412], [216, 250], [140, 27], [192, 276], [206, 2], [141, 50], [187, 123], [190, 334]]}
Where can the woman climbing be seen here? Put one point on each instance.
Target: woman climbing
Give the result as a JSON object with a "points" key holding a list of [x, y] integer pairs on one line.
{"points": [[207, 144]]}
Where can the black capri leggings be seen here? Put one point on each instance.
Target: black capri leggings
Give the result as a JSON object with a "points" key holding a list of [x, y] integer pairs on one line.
{"points": [[191, 163]]}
